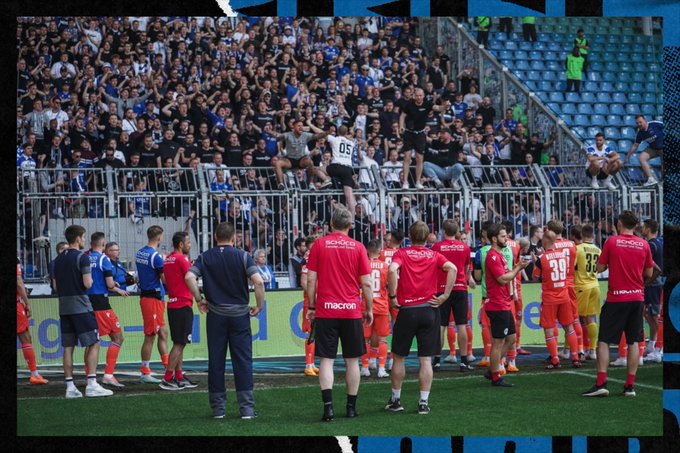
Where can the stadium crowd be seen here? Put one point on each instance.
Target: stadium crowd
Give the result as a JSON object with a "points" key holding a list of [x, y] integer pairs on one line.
{"points": [[163, 96]]}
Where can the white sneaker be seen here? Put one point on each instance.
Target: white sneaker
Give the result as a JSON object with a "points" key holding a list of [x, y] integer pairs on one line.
{"points": [[471, 358], [365, 372], [73, 393], [389, 364], [594, 184], [455, 186], [609, 184], [649, 349], [148, 379], [451, 359], [438, 183], [112, 381], [565, 354], [96, 390], [642, 361], [655, 357], [405, 185], [419, 186], [382, 373], [651, 181], [592, 355], [621, 361], [372, 364]]}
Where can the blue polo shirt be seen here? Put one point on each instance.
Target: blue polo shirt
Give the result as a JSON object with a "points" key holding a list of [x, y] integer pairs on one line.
{"points": [[101, 267], [653, 136], [149, 270], [69, 268]]}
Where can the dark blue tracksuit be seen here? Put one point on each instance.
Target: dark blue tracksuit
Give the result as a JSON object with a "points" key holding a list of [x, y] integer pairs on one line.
{"points": [[225, 271]]}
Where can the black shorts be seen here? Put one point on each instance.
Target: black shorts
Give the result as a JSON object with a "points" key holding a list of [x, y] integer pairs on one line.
{"points": [[417, 141], [457, 302], [181, 323], [502, 324], [81, 327], [620, 317], [349, 331], [294, 163], [341, 172], [600, 175], [421, 323], [653, 300]]}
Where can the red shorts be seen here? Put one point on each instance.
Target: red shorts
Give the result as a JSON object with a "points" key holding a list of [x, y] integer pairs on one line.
{"points": [[107, 322], [153, 312], [483, 318], [381, 327], [561, 312], [573, 300], [22, 319]]}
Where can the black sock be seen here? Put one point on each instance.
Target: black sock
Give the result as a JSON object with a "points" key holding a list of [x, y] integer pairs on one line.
{"points": [[436, 359], [351, 400], [327, 396], [463, 359]]}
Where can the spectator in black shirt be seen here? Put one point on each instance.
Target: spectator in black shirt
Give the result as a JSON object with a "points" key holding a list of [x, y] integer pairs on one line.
{"points": [[147, 153], [442, 160], [167, 149], [538, 150], [296, 262], [487, 111]]}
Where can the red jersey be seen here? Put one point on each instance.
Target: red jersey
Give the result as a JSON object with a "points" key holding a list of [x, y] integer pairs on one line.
{"points": [[627, 257], [498, 296], [175, 268], [18, 276], [569, 249], [340, 262], [514, 246], [379, 284], [419, 268], [457, 253], [386, 255], [552, 268]]}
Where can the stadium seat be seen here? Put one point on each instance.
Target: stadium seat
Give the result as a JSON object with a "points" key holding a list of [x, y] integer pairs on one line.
{"points": [[622, 86], [599, 39], [625, 66], [649, 98], [551, 75], [656, 162], [568, 119], [611, 144], [524, 45], [594, 76], [625, 145], [522, 65], [595, 66], [619, 97], [521, 55], [572, 97], [510, 45], [537, 65], [555, 107], [634, 97], [611, 133], [622, 56], [635, 56], [582, 120], [598, 120], [588, 97], [550, 55], [557, 96], [628, 119], [591, 86], [633, 161], [579, 131], [585, 109], [553, 65], [545, 85], [648, 109], [623, 76], [593, 131], [540, 44], [521, 75], [554, 46], [654, 67], [569, 108], [628, 133], [505, 54], [601, 109], [533, 75], [531, 84], [609, 77], [633, 109], [611, 47], [560, 85], [608, 56], [651, 86], [614, 120], [603, 97], [496, 45], [606, 86], [640, 77], [611, 66], [535, 56]]}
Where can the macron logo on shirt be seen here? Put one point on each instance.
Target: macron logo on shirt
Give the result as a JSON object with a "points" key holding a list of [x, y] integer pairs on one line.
{"points": [[340, 306], [625, 292]]}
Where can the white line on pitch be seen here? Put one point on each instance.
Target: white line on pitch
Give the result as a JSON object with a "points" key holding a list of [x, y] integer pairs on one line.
{"points": [[618, 381]]}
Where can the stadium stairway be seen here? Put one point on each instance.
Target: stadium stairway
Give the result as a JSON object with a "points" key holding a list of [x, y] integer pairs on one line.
{"points": [[623, 77]]}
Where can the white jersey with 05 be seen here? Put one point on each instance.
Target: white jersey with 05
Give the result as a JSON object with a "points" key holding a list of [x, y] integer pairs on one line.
{"points": [[342, 150]]}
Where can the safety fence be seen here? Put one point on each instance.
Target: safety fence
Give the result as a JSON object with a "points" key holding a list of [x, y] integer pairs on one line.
{"points": [[123, 203]]}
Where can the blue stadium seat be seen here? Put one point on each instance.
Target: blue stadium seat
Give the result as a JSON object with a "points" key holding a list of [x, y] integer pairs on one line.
{"points": [[611, 47], [601, 109], [531, 85], [591, 86], [496, 45], [522, 65], [609, 77], [510, 45], [561, 75], [649, 98], [560, 85], [549, 55], [598, 120], [637, 47], [507, 63], [603, 97], [533, 75], [594, 76], [622, 56], [625, 145], [608, 56], [651, 86], [585, 109], [596, 66], [611, 66], [569, 108], [505, 54], [582, 120], [545, 85], [540, 44], [623, 76], [628, 119], [599, 39], [579, 131], [551, 75], [628, 133], [557, 96], [614, 120], [640, 77], [611, 144], [554, 106], [622, 86], [619, 97], [524, 45], [625, 66], [654, 67], [649, 57], [567, 118], [633, 109], [537, 65], [521, 55], [606, 86], [634, 86], [588, 97], [498, 36], [593, 131], [563, 55], [634, 97], [554, 46], [521, 75], [611, 133], [572, 97], [553, 65], [633, 161], [535, 56], [648, 109], [656, 162]]}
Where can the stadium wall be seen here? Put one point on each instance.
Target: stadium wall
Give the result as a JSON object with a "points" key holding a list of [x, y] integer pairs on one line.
{"points": [[276, 330]]}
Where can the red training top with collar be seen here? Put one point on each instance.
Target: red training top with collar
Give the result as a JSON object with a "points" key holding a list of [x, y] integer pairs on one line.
{"points": [[552, 268], [627, 257], [340, 262], [175, 268], [419, 268], [498, 296], [458, 253]]}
